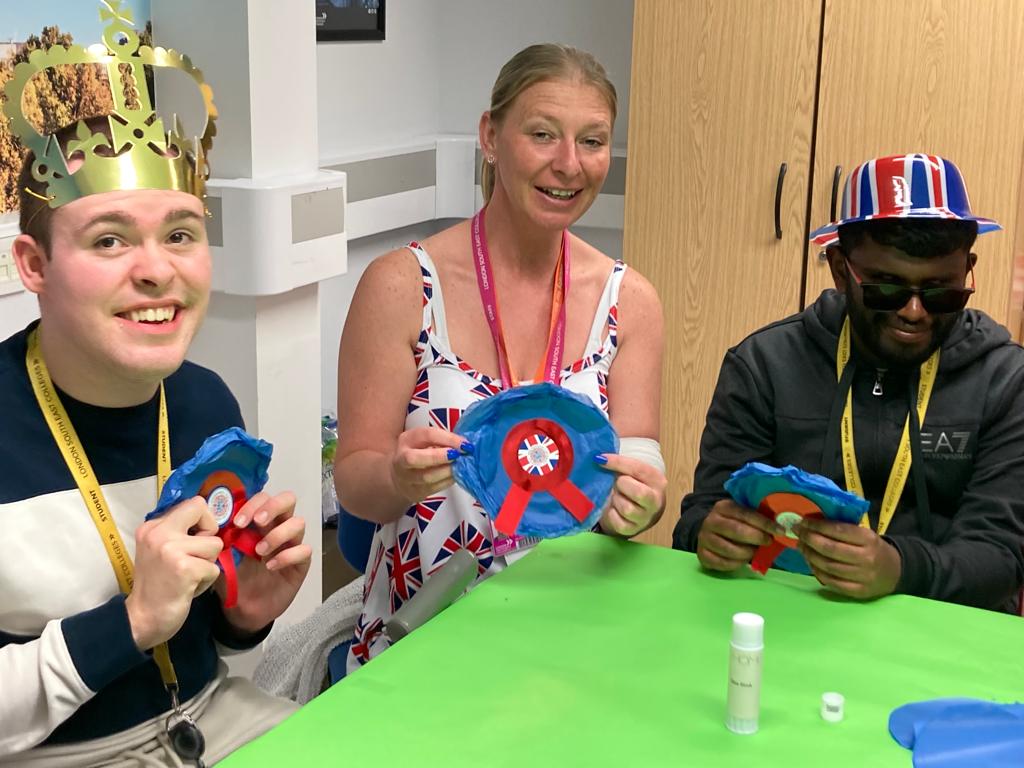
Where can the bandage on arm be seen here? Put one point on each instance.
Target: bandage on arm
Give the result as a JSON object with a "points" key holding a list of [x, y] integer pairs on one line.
{"points": [[643, 449]]}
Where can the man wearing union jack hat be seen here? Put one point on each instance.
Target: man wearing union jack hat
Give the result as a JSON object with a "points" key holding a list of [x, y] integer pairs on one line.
{"points": [[888, 386]]}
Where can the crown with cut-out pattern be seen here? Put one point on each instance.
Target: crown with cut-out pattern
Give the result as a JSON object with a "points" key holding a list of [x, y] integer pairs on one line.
{"points": [[138, 153]]}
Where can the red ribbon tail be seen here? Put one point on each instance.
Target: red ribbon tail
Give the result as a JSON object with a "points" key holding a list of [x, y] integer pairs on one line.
{"points": [[246, 540], [227, 564], [765, 556], [573, 499], [512, 509]]}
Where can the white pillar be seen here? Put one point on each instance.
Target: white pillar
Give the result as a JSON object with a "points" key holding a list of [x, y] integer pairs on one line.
{"points": [[260, 59]]}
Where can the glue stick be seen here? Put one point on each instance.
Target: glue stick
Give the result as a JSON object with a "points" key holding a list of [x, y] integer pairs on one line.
{"points": [[743, 702]]}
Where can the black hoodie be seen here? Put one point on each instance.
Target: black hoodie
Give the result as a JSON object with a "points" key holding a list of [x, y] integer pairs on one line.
{"points": [[778, 401]]}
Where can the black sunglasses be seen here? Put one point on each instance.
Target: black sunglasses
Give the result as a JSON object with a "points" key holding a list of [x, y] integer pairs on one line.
{"points": [[889, 297]]}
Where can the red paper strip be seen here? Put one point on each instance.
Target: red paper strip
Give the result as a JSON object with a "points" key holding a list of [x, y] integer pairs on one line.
{"points": [[512, 509], [787, 509]]}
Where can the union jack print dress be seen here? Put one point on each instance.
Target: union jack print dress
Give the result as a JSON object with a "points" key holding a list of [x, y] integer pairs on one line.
{"points": [[406, 552]]}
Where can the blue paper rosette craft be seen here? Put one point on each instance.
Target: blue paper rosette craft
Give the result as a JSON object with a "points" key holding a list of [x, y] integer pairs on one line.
{"points": [[228, 469], [788, 495], [532, 468]]}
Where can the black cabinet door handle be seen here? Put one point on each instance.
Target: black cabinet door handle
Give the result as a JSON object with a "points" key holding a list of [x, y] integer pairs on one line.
{"points": [[836, 177], [778, 201]]}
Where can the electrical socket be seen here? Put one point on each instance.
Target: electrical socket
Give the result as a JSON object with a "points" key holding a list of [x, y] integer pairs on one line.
{"points": [[9, 280]]}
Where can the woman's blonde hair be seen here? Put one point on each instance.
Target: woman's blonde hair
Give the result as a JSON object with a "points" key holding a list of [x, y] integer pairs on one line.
{"points": [[535, 64]]}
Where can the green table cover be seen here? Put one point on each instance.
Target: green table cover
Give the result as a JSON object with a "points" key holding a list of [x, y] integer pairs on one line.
{"points": [[605, 652]]}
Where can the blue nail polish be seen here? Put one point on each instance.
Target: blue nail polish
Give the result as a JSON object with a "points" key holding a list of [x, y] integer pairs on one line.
{"points": [[468, 448], [452, 454], [601, 458]]}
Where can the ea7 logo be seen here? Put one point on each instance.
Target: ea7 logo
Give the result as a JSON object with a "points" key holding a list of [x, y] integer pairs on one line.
{"points": [[948, 443]]}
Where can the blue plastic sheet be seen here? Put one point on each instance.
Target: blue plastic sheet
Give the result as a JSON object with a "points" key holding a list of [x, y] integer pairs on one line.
{"points": [[488, 425], [960, 733], [749, 485], [232, 450]]}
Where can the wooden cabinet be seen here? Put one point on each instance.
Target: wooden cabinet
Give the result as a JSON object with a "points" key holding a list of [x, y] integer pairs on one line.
{"points": [[725, 91], [942, 77], [722, 94]]}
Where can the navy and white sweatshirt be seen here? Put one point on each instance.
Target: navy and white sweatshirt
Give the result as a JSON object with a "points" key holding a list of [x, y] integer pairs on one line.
{"points": [[69, 669]]}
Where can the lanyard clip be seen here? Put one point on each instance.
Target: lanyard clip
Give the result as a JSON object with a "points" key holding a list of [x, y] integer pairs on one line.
{"points": [[184, 735]]}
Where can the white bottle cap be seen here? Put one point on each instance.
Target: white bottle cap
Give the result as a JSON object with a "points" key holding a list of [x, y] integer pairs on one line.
{"points": [[747, 631], [832, 706]]}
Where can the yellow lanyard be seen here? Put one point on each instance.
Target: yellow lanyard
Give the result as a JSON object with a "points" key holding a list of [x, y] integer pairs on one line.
{"points": [[74, 456], [901, 466]]}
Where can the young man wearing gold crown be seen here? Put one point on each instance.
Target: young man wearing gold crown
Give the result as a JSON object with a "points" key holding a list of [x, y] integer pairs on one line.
{"points": [[889, 387], [109, 643]]}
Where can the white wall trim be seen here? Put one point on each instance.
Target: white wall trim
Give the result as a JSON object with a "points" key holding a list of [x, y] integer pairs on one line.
{"points": [[454, 194]]}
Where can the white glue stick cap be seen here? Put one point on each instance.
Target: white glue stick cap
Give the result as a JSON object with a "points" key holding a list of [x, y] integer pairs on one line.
{"points": [[747, 631], [832, 706]]}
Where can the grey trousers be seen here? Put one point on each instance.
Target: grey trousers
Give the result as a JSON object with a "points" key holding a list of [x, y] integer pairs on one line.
{"points": [[230, 712]]}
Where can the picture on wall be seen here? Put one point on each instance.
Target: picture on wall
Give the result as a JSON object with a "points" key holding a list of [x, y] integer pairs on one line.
{"points": [[56, 97], [349, 20]]}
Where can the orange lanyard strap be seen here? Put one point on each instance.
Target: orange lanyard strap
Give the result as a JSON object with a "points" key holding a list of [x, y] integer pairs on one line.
{"points": [[89, 486]]}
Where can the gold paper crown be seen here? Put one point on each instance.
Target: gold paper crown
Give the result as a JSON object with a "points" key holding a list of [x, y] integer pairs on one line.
{"points": [[140, 155]]}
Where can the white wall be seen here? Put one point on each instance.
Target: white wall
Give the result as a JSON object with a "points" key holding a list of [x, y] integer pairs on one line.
{"points": [[16, 311], [478, 36], [378, 94], [434, 71]]}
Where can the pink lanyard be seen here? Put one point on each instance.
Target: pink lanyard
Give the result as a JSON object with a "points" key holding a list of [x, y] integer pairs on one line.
{"points": [[551, 364]]}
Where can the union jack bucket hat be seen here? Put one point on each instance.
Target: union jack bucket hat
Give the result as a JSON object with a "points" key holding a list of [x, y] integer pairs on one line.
{"points": [[903, 186]]}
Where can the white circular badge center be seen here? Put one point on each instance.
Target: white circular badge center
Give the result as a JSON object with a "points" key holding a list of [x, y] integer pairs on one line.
{"points": [[538, 454], [220, 502], [788, 520]]}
